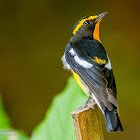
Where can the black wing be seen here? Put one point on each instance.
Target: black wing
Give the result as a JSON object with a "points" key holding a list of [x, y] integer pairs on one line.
{"points": [[92, 75]]}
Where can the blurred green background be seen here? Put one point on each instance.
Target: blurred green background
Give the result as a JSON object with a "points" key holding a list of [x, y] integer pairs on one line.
{"points": [[33, 36]]}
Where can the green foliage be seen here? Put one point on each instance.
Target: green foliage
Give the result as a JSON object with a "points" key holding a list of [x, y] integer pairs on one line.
{"points": [[6, 131], [58, 123], [4, 122]]}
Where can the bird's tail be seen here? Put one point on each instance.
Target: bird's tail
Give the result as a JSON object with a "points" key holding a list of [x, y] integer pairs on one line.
{"points": [[113, 122]]}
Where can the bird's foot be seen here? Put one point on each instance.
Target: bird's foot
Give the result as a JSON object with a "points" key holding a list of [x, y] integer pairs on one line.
{"points": [[86, 103], [89, 104]]}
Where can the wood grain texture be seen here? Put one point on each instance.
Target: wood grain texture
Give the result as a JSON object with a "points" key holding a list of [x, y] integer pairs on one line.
{"points": [[87, 124]]}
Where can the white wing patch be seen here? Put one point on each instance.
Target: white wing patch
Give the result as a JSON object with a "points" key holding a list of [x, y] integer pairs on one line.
{"points": [[72, 52], [65, 64], [108, 65], [80, 61]]}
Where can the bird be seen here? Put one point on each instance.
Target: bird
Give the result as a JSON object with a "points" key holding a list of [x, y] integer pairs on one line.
{"points": [[90, 65]]}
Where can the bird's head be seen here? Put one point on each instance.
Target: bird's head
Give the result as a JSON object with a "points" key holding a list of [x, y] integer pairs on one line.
{"points": [[88, 27]]}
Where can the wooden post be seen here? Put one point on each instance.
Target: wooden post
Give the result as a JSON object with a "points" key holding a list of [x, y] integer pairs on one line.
{"points": [[87, 124]]}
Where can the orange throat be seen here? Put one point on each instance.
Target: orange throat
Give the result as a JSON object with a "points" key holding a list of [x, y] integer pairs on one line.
{"points": [[96, 32]]}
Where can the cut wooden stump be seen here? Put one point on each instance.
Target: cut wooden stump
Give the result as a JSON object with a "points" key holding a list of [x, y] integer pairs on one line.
{"points": [[87, 124]]}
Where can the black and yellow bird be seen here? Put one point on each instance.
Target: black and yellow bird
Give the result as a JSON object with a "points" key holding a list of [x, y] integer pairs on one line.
{"points": [[86, 57]]}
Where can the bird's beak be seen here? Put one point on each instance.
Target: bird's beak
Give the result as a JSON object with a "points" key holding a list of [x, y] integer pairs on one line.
{"points": [[100, 16]]}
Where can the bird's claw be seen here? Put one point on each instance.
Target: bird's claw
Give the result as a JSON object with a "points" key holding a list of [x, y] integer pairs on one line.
{"points": [[89, 104], [92, 107]]}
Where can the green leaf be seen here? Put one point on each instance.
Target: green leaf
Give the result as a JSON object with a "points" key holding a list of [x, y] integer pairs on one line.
{"points": [[4, 120], [5, 126], [21, 136], [58, 124], [6, 131]]}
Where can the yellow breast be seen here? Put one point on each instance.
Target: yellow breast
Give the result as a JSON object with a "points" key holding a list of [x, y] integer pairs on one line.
{"points": [[81, 83]]}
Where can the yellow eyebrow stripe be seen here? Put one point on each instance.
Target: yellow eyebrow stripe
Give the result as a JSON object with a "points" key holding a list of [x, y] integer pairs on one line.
{"points": [[82, 22]]}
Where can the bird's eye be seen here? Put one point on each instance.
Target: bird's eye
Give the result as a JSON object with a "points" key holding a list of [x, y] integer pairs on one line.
{"points": [[87, 22]]}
